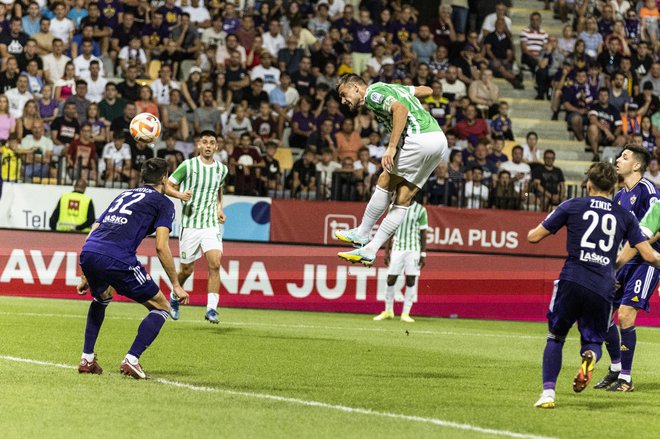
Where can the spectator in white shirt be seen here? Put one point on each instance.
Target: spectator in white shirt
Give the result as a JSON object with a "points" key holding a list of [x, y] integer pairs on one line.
{"points": [[488, 25], [214, 35], [60, 26], [18, 96], [133, 55], [117, 158], [520, 172], [95, 83], [269, 74], [476, 193], [273, 40], [653, 173], [531, 153], [199, 14], [55, 62], [82, 61], [162, 86]]}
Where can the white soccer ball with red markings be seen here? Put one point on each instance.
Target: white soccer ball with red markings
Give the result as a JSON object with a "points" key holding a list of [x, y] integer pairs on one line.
{"points": [[145, 127]]}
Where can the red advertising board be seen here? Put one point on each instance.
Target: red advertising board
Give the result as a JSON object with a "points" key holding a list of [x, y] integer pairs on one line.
{"points": [[312, 278], [468, 230]]}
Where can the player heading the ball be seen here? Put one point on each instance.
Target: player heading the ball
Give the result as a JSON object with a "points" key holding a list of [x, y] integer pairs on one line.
{"points": [[416, 146]]}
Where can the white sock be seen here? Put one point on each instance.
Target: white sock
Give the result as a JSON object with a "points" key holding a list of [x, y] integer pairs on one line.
{"points": [[132, 359], [615, 367], [389, 299], [212, 301], [411, 293], [376, 207], [625, 377], [548, 392], [387, 228], [88, 357]]}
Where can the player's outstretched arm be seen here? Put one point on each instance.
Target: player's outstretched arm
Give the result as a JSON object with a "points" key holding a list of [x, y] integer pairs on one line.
{"points": [[625, 255], [423, 91], [538, 234], [166, 260], [646, 251]]}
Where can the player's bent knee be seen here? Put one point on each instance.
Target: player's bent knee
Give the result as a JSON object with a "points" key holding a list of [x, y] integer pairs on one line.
{"points": [[159, 302], [187, 269], [391, 280]]}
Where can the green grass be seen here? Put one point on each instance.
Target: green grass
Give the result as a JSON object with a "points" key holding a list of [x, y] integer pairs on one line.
{"points": [[483, 373]]}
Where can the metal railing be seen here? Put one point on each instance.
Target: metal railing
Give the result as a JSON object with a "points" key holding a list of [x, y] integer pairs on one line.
{"points": [[342, 185]]}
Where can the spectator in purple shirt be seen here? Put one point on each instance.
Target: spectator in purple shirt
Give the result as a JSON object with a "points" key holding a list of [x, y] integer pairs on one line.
{"points": [[303, 124], [111, 11], [171, 14], [403, 29], [363, 33]]}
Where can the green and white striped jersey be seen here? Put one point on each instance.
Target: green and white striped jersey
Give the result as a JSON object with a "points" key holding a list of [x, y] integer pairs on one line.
{"points": [[380, 97], [406, 237], [205, 181]]}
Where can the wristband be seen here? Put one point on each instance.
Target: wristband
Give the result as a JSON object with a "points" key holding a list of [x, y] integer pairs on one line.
{"points": [[422, 254]]}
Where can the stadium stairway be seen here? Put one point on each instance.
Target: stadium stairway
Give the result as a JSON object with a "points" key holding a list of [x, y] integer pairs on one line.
{"points": [[528, 114]]}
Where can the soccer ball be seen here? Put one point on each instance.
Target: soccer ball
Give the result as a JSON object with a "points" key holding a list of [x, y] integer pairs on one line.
{"points": [[145, 127]]}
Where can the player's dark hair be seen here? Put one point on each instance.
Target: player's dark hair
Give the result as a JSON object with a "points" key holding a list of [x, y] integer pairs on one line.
{"points": [[603, 176], [207, 133], [640, 154], [153, 171], [350, 79]]}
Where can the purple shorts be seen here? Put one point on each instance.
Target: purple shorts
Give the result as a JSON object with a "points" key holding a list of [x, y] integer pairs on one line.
{"points": [[638, 282], [572, 302], [130, 280]]}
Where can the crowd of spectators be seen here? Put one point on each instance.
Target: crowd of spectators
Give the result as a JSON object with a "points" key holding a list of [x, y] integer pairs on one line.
{"points": [[603, 71], [263, 74]]}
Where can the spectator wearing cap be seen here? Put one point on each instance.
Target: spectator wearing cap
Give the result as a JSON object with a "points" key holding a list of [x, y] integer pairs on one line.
{"points": [[648, 102], [378, 57]]}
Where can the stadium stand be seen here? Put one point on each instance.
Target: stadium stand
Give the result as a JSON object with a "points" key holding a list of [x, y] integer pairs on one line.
{"points": [[492, 72]]}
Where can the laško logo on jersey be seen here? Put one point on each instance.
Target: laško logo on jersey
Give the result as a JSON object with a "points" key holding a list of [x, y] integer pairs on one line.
{"points": [[594, 258], [115, 219]]}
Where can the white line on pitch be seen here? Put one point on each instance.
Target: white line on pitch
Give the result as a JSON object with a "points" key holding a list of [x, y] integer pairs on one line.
{"points": [[319, 327], [310, 403]]}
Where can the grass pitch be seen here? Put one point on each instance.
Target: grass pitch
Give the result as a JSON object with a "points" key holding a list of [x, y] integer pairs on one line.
{"points": [[296, 374]]}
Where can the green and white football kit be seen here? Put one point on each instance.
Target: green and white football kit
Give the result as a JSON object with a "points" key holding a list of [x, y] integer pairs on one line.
{"points": [[200, 228], [406, 247], [424, 145]]}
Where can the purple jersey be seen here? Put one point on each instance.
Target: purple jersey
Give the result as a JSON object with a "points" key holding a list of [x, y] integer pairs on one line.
{"points": [[639, 200], [131, 216], [596, 226]]}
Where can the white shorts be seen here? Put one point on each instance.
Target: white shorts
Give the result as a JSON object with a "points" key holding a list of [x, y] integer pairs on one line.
{"points": [[193, 243], [419, 155], [403, 261]]}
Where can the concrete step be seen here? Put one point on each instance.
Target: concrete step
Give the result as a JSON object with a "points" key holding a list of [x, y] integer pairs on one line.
{"points": [[546, 129], [573, 169]]}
